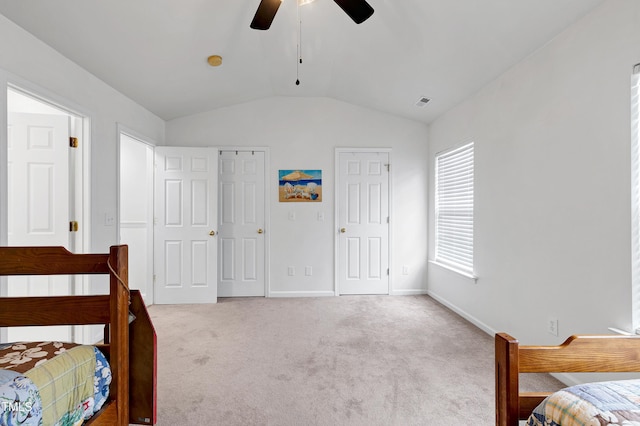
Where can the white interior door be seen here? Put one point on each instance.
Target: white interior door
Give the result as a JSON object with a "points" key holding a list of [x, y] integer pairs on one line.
{"points": [[185, 212], [242, 224], [363, 222], [39, 205]]}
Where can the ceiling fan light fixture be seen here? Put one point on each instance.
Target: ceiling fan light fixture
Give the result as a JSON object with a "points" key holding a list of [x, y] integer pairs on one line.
{"points": [[358, 10], [215, 60]]}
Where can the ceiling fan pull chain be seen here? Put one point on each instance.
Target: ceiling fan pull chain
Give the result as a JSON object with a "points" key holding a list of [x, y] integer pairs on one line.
{"points": [[299, 47], [298, 62]]}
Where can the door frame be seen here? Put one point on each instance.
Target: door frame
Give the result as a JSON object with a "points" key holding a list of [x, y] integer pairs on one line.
{"points": [[267, 204], [81, 124], [336, 220]]}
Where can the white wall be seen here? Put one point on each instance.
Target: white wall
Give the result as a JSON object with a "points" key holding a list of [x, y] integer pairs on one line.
{"points": [[552, 146], [303, 133], [31, 64]]}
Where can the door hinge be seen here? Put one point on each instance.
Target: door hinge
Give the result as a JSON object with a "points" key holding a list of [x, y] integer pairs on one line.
{"points": [[73, 142], [73, 226], [387, 271], [388, 166]]}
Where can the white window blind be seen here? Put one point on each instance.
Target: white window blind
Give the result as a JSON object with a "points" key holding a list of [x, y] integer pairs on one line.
{"points": [[454, 208]]}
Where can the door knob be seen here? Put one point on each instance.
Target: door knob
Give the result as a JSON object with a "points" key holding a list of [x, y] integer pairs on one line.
{"points": [[343, 230], [212, 233], [260, 231]]}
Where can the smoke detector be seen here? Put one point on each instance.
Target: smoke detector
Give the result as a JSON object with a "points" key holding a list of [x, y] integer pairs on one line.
{"points": [[215, 60]]}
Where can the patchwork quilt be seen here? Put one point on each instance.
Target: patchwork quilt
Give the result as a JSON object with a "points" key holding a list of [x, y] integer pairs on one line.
{"points": [[591, 404], [51, 383]]}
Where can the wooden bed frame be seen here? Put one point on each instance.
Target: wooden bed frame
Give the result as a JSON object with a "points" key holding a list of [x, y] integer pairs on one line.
{"points": [[130, 348], [578, 354]]}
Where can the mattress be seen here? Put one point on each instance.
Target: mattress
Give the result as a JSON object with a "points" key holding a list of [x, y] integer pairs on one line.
{"points": [[599, 403], [51, 383]]}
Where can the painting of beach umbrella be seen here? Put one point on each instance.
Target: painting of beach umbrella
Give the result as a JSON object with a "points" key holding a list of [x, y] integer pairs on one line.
{"points": [[296, 176], [300, 185]]}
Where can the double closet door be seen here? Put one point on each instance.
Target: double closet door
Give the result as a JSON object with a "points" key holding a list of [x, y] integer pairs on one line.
{"points": [[209, 233]]}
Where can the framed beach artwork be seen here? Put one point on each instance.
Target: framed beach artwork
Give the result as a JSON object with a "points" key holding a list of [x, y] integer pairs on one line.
{"points": [[300, 185]]}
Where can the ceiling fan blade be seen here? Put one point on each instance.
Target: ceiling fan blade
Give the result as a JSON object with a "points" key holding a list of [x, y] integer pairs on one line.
{"points": [[358, 10], [265, 14]]}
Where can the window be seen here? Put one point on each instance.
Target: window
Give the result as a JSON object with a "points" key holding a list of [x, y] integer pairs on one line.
{"points": [[454, 209]]}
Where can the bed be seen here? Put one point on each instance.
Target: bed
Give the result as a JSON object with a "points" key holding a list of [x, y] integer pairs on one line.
{"points": [[599, 403], [127, 395]]}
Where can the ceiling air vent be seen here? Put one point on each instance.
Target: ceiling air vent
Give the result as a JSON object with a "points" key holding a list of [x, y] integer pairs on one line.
{"points": [[422, 101]]}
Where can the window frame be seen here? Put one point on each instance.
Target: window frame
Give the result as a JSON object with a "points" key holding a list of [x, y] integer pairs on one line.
{"points": [[454, 202]]}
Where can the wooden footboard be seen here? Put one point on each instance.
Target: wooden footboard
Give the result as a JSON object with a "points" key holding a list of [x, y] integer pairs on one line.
{"points": [[578, 354], [143, 364]]}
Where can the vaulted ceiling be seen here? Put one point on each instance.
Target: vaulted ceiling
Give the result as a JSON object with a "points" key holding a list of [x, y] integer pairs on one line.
{"points": [[155, 51]]}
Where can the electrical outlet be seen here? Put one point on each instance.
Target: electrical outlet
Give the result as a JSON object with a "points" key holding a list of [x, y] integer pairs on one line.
{"points": [[405, 270], [291, 271], [308, 271], [553, 326]]}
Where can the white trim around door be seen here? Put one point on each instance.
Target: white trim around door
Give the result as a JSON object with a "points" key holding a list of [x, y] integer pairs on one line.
{"points": [[367, 269]]}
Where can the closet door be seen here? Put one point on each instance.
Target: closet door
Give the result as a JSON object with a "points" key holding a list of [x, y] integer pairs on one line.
{"points": [[242, 224], [363, 222]]}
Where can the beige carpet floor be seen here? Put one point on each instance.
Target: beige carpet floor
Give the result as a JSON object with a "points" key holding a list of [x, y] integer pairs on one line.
{"points": [[355, 360]]}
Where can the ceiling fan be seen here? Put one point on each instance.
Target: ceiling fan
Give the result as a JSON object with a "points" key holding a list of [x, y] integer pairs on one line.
{"points": [[358, 10]]}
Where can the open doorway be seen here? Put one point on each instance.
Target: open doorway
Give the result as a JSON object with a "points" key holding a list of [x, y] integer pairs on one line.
{"points": [[135, 210], [46, 196]]}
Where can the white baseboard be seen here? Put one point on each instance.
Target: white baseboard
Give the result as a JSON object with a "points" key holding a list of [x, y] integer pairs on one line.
{"points": [[301, 293], [475, 321], [408, 292], [566, 378], [402, 292]]}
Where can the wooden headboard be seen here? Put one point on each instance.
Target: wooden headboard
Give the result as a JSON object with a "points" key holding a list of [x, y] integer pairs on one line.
{"points": [[578, 354]]}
